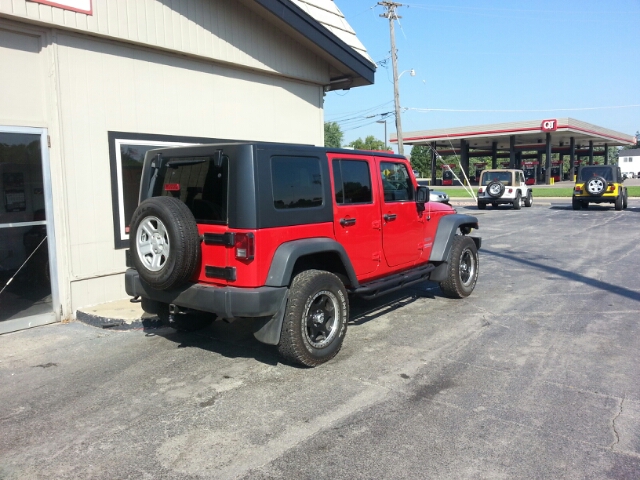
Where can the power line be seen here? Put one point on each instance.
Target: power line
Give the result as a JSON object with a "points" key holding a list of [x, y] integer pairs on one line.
{"points": [[520, 111]]}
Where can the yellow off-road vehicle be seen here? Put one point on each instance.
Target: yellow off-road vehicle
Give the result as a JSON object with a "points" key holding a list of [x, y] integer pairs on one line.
{"points": [[599, 184]]}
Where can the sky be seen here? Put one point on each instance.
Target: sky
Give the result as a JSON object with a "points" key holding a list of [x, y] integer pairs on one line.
{"points": [[503, 60]]}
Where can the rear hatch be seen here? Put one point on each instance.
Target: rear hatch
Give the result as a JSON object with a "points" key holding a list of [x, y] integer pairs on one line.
{"points": [[202, 183]]}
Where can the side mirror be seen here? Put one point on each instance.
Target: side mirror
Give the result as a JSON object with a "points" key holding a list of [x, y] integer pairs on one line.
{"points": [[422, 197]]}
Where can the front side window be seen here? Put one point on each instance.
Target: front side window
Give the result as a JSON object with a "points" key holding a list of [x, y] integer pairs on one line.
{"points": [[396, 183], [352, 182], [297, 182]]}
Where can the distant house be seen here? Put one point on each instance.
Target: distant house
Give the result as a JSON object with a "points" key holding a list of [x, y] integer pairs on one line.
{"points": [[88, 86], [629, 162]]}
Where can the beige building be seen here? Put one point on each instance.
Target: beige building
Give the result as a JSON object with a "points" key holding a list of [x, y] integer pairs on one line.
{"points": [[88, 86]]}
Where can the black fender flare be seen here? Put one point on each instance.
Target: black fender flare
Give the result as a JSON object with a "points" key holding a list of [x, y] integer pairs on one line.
{"points": [[447, 228], [288, 254]]}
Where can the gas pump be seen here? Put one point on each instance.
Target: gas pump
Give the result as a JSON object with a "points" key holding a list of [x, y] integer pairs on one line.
{"points": [[479, 168], [556, 170], [447, 174], [530, 170]]}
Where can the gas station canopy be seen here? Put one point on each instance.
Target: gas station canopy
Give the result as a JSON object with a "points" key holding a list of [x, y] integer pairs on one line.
{"points": [[527, 134], [519, 141]]}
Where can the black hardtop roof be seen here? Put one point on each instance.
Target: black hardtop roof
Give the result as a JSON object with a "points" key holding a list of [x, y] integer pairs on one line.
{"points": [[195, 150], [598, 166]]}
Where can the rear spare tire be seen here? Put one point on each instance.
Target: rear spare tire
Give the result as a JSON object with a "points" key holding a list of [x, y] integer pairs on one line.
{"points": [[596, 186], [164, 242], [495, 189]]}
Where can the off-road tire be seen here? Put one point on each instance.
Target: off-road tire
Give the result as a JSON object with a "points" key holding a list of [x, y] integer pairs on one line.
{"points": [[596, 186], [619, 202], [576, 204], [625, 200], [314, 294], [176, 228], [495, 189], [482, 205], [517, 203], [528, 201], [463, 266]]}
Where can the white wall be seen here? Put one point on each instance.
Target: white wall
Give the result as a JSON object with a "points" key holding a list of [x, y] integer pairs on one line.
{"points": [[80, 87]]}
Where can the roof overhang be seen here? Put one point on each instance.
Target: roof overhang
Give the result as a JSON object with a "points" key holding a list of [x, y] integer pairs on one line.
{"points": [[530, 133], [347, 67]]}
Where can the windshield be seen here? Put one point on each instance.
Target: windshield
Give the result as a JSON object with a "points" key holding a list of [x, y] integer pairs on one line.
{"points": [[502, 177], [199, 183], [589, 172]]}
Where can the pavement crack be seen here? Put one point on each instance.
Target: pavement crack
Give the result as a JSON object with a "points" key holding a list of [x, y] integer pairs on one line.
{"points": [[613, 423]]}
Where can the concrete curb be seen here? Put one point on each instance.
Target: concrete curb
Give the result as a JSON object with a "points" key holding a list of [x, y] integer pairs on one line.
{"points": [[118, 315]]}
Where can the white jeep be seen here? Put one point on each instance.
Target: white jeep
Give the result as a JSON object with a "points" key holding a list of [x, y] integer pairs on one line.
{"points": [[501, 186]]}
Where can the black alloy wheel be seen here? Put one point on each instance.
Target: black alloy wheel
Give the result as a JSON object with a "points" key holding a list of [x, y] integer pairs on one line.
{"points": [[463, 268], [315, 321]]}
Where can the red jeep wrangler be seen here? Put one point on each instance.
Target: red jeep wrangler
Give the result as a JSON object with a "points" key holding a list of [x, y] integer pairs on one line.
{"points": [[284, 234]]}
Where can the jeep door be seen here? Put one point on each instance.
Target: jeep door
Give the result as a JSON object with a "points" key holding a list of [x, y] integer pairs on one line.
{"points": [[402, 224], [357, 211]]}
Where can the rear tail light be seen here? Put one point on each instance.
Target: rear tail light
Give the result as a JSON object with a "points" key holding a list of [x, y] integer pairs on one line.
{"points": [[511, 190], [245, 246], [611, 188], [578, 190], [172, 187], [480, 190]]}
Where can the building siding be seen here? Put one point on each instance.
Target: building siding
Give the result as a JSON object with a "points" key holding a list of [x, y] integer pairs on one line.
{"points": [[105, 86], [219, 30]]}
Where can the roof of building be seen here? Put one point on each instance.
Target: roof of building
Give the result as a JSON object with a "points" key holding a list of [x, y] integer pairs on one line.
{"points": [[634, 152], [324, 28], [329, 15]]}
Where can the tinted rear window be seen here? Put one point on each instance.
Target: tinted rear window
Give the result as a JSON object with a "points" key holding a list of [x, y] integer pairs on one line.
{"points": [[297, 182], [589, 172], [199, 183], [502, 177]]}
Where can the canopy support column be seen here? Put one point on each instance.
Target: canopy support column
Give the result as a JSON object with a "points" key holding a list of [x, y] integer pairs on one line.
{"points": [[494, 155], [590, 152], [434, 158], [572, 158], [464, 158], [606, 154], [547, 172], [512, 151]]}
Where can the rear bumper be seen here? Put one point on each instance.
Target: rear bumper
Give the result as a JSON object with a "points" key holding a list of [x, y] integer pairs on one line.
{"points": [[608, 198], [225, 302]]}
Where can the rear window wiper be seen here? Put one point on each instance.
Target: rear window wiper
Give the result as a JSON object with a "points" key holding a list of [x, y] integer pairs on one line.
{"points": [[174, 163]]}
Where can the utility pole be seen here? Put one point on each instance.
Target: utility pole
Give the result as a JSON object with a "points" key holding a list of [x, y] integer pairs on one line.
{"points": [[391, 14]]}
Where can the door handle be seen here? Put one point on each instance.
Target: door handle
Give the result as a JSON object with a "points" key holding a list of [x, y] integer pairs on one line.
{"points": [[389, 216], [347, 222]]}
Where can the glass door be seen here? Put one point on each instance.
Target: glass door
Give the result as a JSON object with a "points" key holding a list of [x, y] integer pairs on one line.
{"points": [[26, 234]]}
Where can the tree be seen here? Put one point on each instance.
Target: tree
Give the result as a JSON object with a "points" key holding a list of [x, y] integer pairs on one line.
{"points": [[369, 143], [421, 160], [332, 135], [637, 145]]}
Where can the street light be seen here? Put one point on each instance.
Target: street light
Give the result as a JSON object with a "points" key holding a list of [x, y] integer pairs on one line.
{"points": [[385, 130]]}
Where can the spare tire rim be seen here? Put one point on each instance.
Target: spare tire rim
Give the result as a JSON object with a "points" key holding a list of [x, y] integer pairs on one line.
{"points": [[152, 243], [494, 189], [595, 186], [321, 315], [467, 267]]}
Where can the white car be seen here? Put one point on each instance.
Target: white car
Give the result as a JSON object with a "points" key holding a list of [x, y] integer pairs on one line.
{"points": [[500, 187], [434, 195]]}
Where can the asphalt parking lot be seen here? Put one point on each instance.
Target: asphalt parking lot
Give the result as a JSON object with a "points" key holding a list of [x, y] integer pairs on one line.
{"points": [[536, 375]]}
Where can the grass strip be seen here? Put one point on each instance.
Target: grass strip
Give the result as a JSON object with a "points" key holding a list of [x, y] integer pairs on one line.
{"points": [[538, 192]]}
